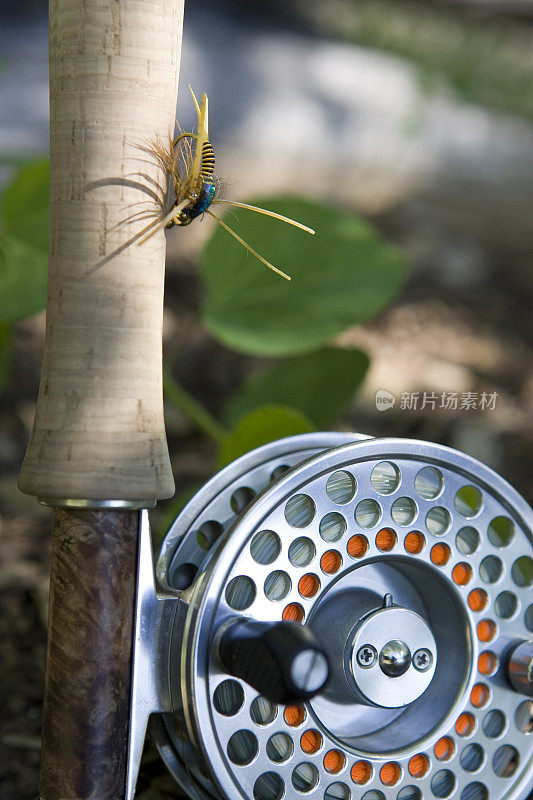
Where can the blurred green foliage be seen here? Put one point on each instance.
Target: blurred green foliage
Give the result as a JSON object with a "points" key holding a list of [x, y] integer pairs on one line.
{"points": [[341, 277], [320, 384], [264, 424], [25, 205], [24, 209]]}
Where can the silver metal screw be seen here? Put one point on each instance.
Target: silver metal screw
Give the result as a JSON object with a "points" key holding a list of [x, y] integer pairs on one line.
{"points": [[367, 656], [422, 660]]}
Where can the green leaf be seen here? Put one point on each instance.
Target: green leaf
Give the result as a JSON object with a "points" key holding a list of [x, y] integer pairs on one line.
{"points": [[25, 205], [341, 276], [263, 425], [23, 273], [320, 385]]}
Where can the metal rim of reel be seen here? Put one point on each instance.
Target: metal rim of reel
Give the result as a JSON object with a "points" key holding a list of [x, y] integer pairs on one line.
{"points": [[408, 457]]}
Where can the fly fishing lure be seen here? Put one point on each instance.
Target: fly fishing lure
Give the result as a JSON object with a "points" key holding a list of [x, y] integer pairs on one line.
{"points": [[189, 163]]}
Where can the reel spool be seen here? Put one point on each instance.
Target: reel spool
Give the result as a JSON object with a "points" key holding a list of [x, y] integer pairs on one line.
{"points": [[409, 566]]}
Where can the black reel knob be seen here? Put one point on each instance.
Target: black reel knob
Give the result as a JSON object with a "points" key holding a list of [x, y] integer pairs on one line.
{"points": [[282, 660]]}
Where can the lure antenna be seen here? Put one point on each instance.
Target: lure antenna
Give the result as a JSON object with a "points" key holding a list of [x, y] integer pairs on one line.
{"points": [[247, 246], [269, 214]]}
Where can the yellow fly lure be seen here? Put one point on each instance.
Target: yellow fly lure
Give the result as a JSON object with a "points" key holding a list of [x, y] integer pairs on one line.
{"points": [[189, 163]]}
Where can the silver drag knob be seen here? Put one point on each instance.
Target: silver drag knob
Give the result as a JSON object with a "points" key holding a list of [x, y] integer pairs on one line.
{"points": [[520, 669]]}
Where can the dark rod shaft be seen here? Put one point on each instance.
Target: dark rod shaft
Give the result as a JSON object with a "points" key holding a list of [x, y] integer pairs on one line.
{"points": [[88, 669]]}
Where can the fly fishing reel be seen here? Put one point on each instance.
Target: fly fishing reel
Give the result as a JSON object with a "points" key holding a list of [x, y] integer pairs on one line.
{"points": [[342, 617]]}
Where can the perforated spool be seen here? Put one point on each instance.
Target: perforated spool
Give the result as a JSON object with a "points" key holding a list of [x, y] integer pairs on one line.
{"points": [[449, 769]]}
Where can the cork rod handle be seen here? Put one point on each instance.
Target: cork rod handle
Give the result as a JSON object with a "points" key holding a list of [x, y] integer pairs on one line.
{"points": [[99, 432]]}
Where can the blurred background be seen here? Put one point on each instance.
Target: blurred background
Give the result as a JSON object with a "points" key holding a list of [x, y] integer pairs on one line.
{"points": [[410, 116]]}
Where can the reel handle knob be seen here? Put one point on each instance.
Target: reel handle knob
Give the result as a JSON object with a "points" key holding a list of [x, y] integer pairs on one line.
{"points": [[282, 660], [520, 668]]}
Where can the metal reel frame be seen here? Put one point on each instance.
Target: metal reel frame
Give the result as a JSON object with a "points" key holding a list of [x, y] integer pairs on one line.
{"points": [[209, 546]]}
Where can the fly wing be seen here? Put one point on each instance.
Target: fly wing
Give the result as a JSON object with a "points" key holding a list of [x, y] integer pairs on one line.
{"points": [[202, 136]]}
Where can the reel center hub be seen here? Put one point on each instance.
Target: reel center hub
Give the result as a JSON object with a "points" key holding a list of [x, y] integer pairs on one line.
{"points": [[392, 672]]}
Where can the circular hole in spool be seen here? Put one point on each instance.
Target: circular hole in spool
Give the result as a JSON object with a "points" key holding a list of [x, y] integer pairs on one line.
{"points": [[373, 794], [240, 593], [269, 786], [183, 575], [443, 783], [528, 618], [404, 511], [305, 777], [468, 501], [228, 698], [299, 511], [438, 520], [480, 695], [506, 605], [465, 724], [524, 717], [467, 541], [440, 554], [341, 487], [332, 527], [486, 630], [301, 551], [242, 748], [414, 542], [308, 585], [294, 716], [357, 546], [311, 741], [429, 483], [444, 748], [208, 533], [409, 793], [386, 540], [390, 773], [277, 585], [494, 724], [367, 513], [475, 791], [522, 571], [462, 573], [334, 761], [279, 748], [477, 600], [361, 772], [505, 761], [331, 562], [487, 663], [278, 472], [501, 531], [265, 547], [491, 569], [262, 711], [385, 478], [337, 791], [241, 498], [472, 757], [293, 613], [419, 765]]}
